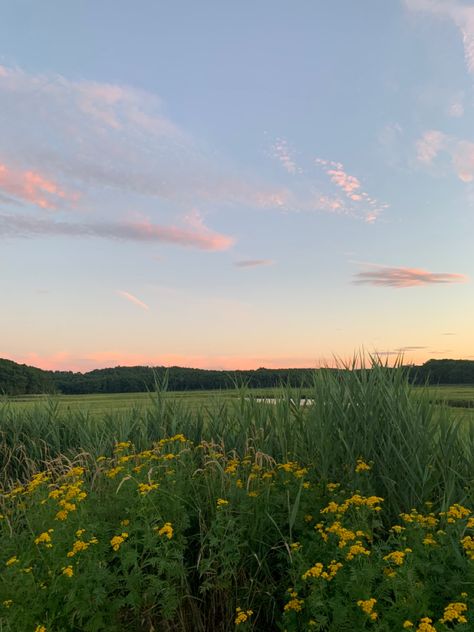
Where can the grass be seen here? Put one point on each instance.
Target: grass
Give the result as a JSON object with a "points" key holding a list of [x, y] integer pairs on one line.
{"points": [[353, 513], [460, 396]]}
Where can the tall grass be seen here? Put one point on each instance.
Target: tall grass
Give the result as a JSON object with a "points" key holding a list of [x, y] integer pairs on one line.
{"points": [[223, 517], [421, 450]]}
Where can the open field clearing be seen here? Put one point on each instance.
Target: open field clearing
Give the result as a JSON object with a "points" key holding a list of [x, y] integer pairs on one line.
{"points": [[459, 395], [354, 513]]}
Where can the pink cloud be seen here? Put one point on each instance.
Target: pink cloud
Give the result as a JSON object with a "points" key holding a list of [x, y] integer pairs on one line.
{"points": [[132, 299], [197, 236], [347, 183], [405, 277], [32, 187], [429, 145], [351, 186], [282, 153], [460, 151]]}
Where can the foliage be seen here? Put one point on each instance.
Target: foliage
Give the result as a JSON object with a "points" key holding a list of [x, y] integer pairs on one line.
{"points": [[351, 513]]}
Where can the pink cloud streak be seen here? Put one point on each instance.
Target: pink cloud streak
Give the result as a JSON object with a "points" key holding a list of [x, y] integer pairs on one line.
{"points": [[132, 299], [195, 236], [31, 187], [405, 277]]}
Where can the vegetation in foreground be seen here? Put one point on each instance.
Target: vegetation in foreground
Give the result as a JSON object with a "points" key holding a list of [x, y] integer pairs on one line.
{"points": [[353, 513]]}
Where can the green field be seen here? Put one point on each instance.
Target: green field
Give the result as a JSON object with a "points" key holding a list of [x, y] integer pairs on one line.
{"points": [[460, 396]]}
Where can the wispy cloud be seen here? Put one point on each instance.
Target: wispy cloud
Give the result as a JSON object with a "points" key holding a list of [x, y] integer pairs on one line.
{"points": [[456, 109], [132, 299], [196, 236], [405, 277], [460, 151], [400, 351], [253, 263], [351, 186], [461, 14], [32, 187], [106, 137], [282, 152]]}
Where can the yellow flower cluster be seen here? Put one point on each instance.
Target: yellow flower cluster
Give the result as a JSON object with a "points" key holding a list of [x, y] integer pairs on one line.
{"points": [[11, 561], [357, 549], [427, 521], [118, 540], [344, 535], [68, 571], [146, 488], [468, 545], [45, 538], [221, 502], [455, 512], [294, 604], [241, 616], [453, 613], [425, 625], [318, 571], [166, 530], [112, 473], [367, 606], [371, 502], [69, 493], [80, 545], [397, 557], [362, 466]]}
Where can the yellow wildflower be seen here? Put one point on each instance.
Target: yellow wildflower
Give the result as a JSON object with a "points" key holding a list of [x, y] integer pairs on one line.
{"points": [[112, 473], [407, 624], [40, 628], [294, 604], [455, 512], [429, 540], [468, 544], [314, 571], [68, 571], [241, 616], [221, 502], [118, 540], [362, 466], [367, 606], [453, 613], [397, 557], [425, 625], [44, 538], [357, 549], [146, 488], [8, 603], [11, 561], [166, 530]]}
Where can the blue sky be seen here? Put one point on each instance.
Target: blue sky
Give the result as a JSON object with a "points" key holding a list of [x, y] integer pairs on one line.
{"points": [[235, 185]]}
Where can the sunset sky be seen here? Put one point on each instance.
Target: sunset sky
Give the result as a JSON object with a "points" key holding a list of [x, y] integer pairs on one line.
{"points": [[236, 184]]}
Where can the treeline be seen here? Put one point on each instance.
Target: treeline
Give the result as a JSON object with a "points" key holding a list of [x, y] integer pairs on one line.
{"points": [[444, 372], [20, 379]]}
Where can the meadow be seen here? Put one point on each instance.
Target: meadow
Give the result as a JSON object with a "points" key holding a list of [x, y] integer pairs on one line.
{"points": [[217, 512]]}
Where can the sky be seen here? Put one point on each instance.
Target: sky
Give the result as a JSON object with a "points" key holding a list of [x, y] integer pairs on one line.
{"points": [[235, 185]]}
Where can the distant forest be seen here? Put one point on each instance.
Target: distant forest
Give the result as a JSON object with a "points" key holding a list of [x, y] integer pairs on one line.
{"points": [[20, 379]]}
